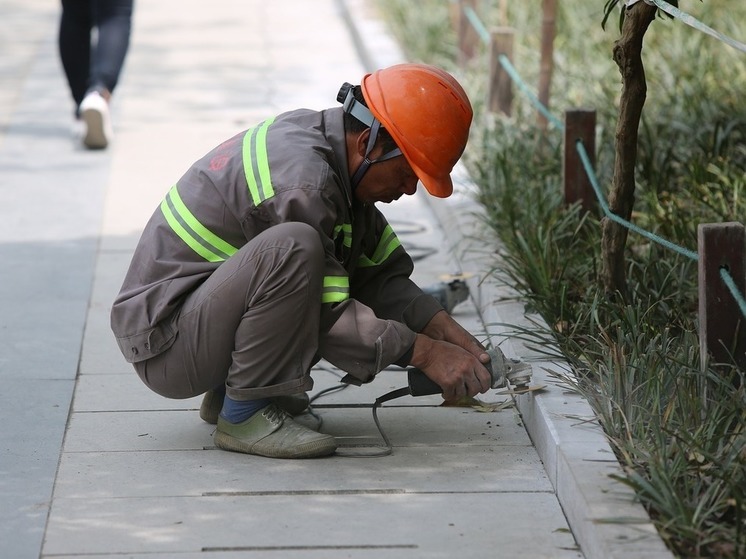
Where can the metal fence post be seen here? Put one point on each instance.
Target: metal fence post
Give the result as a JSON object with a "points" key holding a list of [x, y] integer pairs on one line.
{"points": [[722, 326], [580, 124]]}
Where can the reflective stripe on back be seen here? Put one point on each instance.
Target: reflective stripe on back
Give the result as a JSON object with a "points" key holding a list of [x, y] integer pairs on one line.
{"points": [[335, 289], [198, 237], [389, 243], [256, 163]]}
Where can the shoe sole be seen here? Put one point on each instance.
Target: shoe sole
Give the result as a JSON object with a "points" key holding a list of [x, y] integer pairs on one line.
{"points": [[312, 449], [95, 136]]}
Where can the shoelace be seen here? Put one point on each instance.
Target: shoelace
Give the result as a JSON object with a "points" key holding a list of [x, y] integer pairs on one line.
{"points": [[274, 414]]}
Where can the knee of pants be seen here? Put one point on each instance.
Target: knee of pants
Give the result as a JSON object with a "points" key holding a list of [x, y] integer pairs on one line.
{"points": [[285, 258], [306, 242]]}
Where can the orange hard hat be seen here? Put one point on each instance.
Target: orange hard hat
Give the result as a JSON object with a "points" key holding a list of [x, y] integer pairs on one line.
{"points": [[428, 115]]}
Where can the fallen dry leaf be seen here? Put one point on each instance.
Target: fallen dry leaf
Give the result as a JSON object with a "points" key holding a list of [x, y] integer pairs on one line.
{"points": [[478, 405]]}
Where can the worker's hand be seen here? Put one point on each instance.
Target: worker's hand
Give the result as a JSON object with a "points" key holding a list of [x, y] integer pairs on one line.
{"points": [[443, 327], [458, 372]]}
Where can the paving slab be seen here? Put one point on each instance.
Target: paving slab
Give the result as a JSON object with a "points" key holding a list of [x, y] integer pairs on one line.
{"points": [[185, 473], [416, 426], [182, 429], [124, 392], [29, 454], [390, 379], [413, 525]]}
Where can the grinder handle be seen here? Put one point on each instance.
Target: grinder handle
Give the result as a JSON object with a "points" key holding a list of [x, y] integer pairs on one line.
{"points": [[420, 384]]}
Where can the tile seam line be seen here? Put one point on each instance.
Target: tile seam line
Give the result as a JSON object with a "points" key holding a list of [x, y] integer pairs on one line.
{"points": [[302, 493]]}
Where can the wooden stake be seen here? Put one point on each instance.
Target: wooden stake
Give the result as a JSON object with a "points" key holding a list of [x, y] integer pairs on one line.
{"points": [[500, 90], [722, 326], [580, 124], [468, 38], [504, 13], [548, 31]]}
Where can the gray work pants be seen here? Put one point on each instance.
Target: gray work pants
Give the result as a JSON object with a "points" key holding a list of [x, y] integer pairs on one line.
{"points": [[253, 325]]}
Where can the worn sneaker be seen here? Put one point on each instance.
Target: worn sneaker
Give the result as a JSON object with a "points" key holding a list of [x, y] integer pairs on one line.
{"points": [[94, 110], [212, 403], [273, 433]]}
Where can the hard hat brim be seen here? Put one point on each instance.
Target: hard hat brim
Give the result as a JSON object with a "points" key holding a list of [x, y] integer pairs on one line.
{"points": [[440, 187]]}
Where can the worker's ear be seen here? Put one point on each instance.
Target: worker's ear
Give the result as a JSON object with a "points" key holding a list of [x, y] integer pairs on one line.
{"points": [[362, 142]]}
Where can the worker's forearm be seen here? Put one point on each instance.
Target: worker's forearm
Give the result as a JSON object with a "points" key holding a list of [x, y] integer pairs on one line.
{"points": [[443, 327]]}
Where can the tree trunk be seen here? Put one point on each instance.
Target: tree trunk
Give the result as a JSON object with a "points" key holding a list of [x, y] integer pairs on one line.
{"points": [[628, 56]]}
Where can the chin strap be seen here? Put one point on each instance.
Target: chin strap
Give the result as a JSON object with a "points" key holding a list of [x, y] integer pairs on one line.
{"points": [[365, 165], [363, 114]]}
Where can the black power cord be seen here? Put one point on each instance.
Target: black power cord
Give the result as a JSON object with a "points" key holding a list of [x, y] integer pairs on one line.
{"points": [[385, 450]]}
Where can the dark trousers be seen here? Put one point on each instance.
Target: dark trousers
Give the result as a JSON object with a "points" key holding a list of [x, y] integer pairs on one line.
{"points": [[94, 64]]}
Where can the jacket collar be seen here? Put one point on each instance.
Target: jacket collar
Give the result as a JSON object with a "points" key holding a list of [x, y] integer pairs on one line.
{"points": [[334, 131]]}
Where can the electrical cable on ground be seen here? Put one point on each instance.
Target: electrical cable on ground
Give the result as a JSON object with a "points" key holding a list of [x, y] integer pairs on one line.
{"points": [[387, 448]]}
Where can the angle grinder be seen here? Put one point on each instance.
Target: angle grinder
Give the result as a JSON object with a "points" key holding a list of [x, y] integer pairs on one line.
{"points": [[503, 370]]}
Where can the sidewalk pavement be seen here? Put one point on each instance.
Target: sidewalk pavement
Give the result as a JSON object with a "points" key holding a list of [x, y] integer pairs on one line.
{"points": [[92, 464]]}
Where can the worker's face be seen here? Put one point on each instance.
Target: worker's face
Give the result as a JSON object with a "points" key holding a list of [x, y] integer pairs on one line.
{"points": [[386, 181]]}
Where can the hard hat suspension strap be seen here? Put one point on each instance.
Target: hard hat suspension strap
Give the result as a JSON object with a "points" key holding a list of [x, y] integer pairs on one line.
{"points": [[367, 162], [363, 114]]}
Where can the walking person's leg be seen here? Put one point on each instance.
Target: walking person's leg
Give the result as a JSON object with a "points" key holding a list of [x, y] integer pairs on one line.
{"points": [[74, 41], [113, 22], [113, 19]]}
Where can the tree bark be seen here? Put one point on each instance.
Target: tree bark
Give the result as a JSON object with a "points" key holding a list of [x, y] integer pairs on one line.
{"points": [[628, 56]]}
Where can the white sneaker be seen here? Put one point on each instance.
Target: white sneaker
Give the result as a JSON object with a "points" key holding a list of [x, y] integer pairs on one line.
{"points": [[94, 110]]}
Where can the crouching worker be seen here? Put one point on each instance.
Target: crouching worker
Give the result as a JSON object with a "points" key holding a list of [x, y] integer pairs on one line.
{"points": [[269, 254]]}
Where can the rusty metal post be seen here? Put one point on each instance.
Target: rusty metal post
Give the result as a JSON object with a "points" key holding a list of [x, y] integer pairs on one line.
{"points": [[500, 89], [722, 326], [580, 124]]}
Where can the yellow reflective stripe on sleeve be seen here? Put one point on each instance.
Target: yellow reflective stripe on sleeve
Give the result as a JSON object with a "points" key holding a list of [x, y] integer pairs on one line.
{"points": [[198, 237], [335, 289], [389, 243], [256, 163]]}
